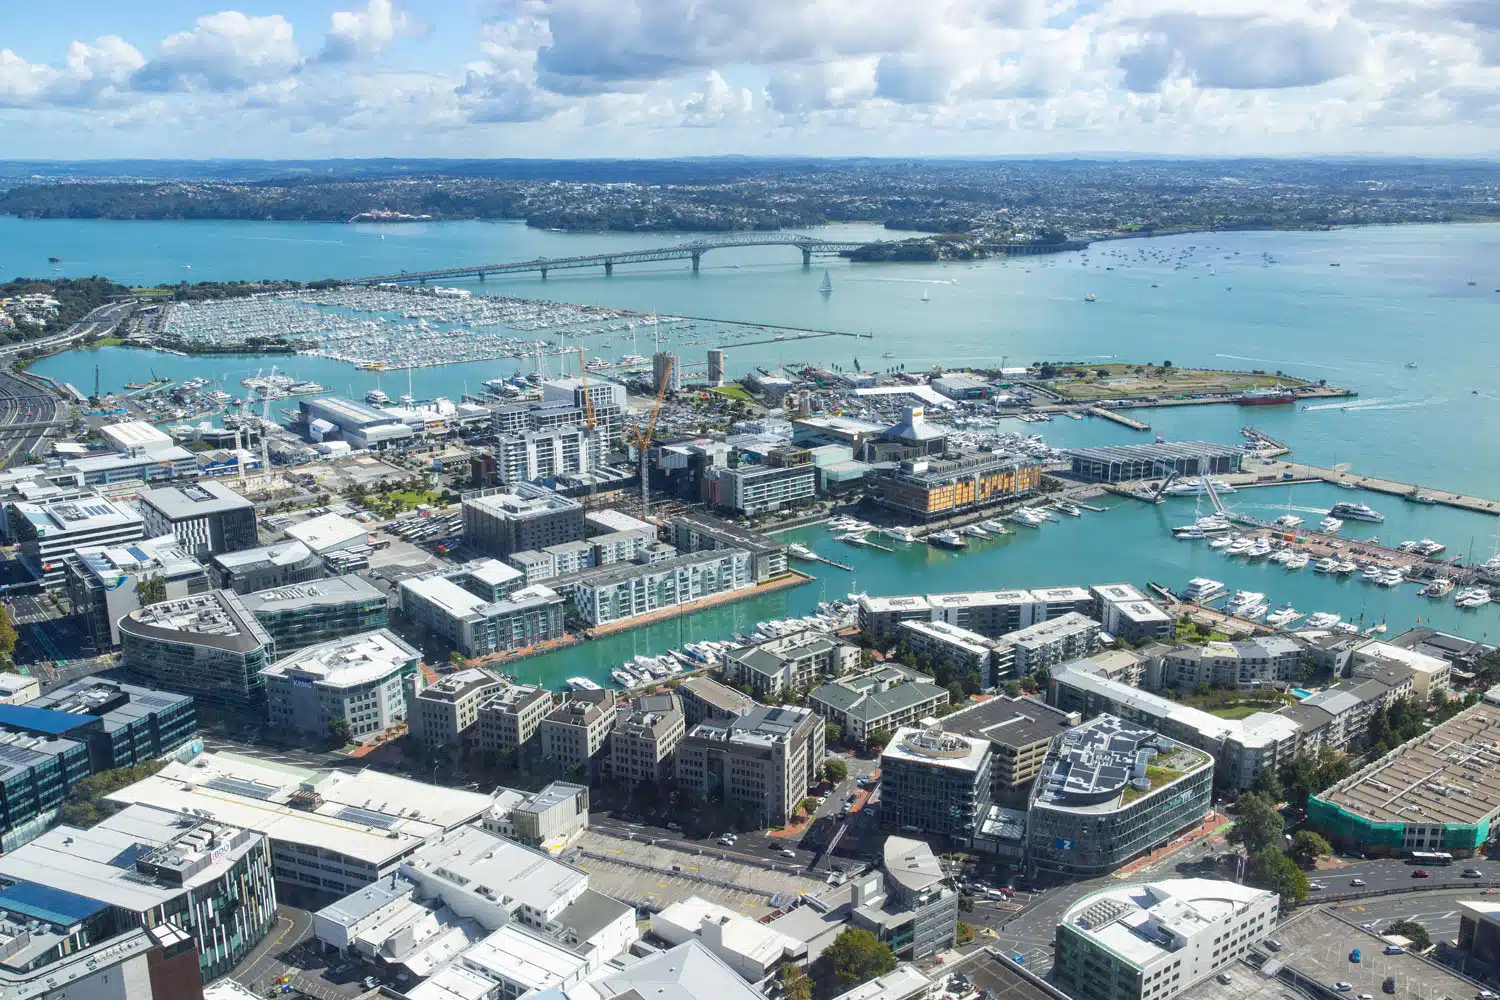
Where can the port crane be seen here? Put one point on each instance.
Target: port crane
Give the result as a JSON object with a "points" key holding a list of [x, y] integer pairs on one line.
{"points": [[642, 437]]}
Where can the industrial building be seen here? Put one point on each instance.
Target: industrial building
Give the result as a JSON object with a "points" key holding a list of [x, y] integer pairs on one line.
{"points": [[1109, 792], [924, 489], [206, 517], [764, 761], [1126, 462], [47, 533], [301, 614], [498, 522], [328, 533], [210, 879], [1154, 941], [208, 645], [329, 418], [935, 783], [105, 583], [1438, 792], [264, 567], [789, 663], [359, 679], [885, 698], [331, 832], [908, 903]]}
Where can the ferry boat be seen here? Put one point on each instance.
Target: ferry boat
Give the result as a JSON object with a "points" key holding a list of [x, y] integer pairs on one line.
{"points": [[1267, 397], [1201, 587], [947, 540], [582, 684], [1355, 511], [1330, 525]]}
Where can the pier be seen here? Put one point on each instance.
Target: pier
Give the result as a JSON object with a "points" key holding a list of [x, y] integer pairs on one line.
{"points": [[1407, 491], [1117, 417]]}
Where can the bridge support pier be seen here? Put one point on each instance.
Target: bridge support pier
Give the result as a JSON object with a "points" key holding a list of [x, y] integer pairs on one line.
{"points": [[544, 274], [697, 256], [481, 275], [609, 268], [806, 256]]}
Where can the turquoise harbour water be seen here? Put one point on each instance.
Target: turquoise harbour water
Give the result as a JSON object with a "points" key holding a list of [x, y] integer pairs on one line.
{"points": [[1262, 300]]}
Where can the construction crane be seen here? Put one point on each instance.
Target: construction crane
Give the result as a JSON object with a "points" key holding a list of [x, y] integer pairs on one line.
{"points": [[588, 418], [588, 400], [643, 438]]}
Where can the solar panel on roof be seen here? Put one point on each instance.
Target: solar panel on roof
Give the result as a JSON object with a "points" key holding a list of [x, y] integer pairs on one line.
{"points": [[16, 755], [240, 786], [354, 814]]}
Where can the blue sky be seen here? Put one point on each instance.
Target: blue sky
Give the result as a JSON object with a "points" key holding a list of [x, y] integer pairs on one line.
{"points": [[700, 77]]}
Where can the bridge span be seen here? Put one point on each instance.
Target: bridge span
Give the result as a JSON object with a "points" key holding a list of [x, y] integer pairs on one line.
{"points": [[693, 251]]}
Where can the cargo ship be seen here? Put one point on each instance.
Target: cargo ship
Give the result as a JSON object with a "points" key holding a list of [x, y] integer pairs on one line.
{"points": [[1267, 397]]}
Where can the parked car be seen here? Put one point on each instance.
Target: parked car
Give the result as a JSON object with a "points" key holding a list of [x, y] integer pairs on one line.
{"points": [[1223, 979], [1273, 944], [1394, 949], [1389, 986], [1354, 955]]}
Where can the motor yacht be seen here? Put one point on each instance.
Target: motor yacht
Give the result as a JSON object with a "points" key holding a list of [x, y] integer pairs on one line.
{"points": [[624, 678], [1321, 620], [800, 551], [1201, 587], [1298, 560], [1325, 565], [1355, 511], [1288, 521], [1330, 525], [1473, 597], [1240, 546], [582, 684], [899, 534], [1247, 604], [1438, 587], [1259, 549], [1428, 547], [1345, 566], [947, 540], [1283, 616], [1196, 488], [1222, 542]]}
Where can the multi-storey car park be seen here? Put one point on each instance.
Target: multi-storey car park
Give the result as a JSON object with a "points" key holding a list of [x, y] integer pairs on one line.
{"points": [[1439, 792]]}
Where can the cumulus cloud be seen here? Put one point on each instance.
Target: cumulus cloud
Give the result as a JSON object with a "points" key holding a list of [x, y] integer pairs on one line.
{"points": [[354, 34], [222, 52], [800, 89], [1243, 53], [94, 73]]}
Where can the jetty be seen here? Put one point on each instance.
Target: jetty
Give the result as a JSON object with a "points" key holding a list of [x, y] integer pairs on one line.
{"points": [[1407, 491], [1117, 417]]}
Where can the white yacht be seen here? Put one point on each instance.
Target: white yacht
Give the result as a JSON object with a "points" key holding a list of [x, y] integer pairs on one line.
{"points": [[1427, 547], [1070, 509], [1283, 616], [1439, 587], [974, 531], [1345, 567], [1288, 521], [1330, 525], [1280, 556], [1247, 604], [947, 540], [800, 551], [1200, 587], [1355, 511], [1298, 560], [624, 678], [582, 684], [899, 534], [1473, 597], [376, 397], [1326, 565], [1195, 488], [1321, 620], [1239, 546], [1259, 549], [1222, 542], [1407, 545]]}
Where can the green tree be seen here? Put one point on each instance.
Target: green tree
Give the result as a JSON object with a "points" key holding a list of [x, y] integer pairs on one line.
{"points": [[1415, 932], [880, 737], [857, 956], [965, 902], [1265, 783], [795, 985], [1273, 870], [7, 632], [832, 733], [1257, 824], [809, 805], [1307, 847], [1013, 689], [151, 591], [835, 770], [338, 730]]}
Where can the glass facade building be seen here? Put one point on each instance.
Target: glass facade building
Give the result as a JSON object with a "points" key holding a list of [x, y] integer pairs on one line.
{"points": [[208, 646]]}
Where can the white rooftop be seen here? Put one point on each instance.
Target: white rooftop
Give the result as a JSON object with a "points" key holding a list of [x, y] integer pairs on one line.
{"points": [[135, 435], [347, 662], [615, 520], [879, 605], [86, 513], [902, 981], [470, 859], [935, 748], [493, 572], [1129, 921], [1260, 729], [742, 935], [1421, 662], [326, 532], [279, 554], [446, 594], [367, 814], [980, 598]]}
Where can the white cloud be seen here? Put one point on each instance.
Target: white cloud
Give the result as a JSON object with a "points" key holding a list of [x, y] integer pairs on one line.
{"points": [[223, 52], [354, 34], [94, 73]]}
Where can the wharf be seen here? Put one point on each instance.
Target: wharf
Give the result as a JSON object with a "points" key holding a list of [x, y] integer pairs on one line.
{"points": [[1119, 418], [1407, 491]]}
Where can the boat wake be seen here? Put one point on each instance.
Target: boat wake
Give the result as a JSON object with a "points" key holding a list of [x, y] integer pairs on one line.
{"points": [[1276, 361], [1380, 404], [911, 281]]}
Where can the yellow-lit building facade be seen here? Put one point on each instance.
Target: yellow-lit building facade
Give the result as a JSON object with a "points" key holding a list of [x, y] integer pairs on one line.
{"points": [[926, 490]]}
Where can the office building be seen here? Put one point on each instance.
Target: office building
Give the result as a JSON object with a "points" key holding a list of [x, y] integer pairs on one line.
{"points": [[764, 761], [331, 832], [473, 914], [121, 724], [208, 878], [705, 700], [359, 679], [265, 567], [105, 583], [146, 466], [477, 624], [1045, 645], [498, 522], [156, 964], [329, 418], [47, 533], [628, 590], [789, 663], [908, 903], [760, 489], [37, 771], [1247, 664], [1020, 731], [935, 783], [548, 820], [990, 613], [206, 517], [1154, 941], [1241, 748], [444, 713], [1438, 792], [208, 645], [926, 488], [510, 717], [318, 611], [968, 652], [328, 533], [1110, 792], [881, 617], [1126, 462], [643, 744], [1431, 674], [1479, 932], [1126, 613], [575, 734], [532, 455], [883, 699], [18, 689], [754, 950], [701, 533]]}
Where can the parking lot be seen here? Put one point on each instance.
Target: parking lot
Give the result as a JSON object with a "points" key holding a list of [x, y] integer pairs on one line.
{"points": [[991, 974], [654, 877]]}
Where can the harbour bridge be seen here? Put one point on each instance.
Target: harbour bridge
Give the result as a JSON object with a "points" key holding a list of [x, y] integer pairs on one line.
{"points": [[693, 251]]}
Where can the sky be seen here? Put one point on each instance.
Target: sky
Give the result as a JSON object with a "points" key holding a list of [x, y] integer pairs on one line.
{"points": [[86, 79]]}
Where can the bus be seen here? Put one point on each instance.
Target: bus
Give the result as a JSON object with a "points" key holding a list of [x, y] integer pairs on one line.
{"points": [[1430, 858]]}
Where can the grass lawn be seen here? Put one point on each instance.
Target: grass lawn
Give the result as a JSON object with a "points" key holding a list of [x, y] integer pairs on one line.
{"points": [[109, 342], [732, 391], [1158, 776], [1239, 711], [397, 501]]}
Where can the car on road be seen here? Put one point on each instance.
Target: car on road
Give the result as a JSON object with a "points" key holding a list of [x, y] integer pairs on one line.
{"points": [[1363, 996], [787, 853], [1356, 881], [1472, 873], [1421, 873], [725, 842], [1342, 987], [1394, 949], [1316, 885]]}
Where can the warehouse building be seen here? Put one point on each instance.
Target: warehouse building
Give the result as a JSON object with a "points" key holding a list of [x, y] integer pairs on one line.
{"points": [[206, 517], [329, 418], [1126, 462], [1109, 792], [328, 533]]}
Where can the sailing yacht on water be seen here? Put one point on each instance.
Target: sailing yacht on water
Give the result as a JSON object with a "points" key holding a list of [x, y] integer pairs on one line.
{"points": [[827, 287], [926, 297]]}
